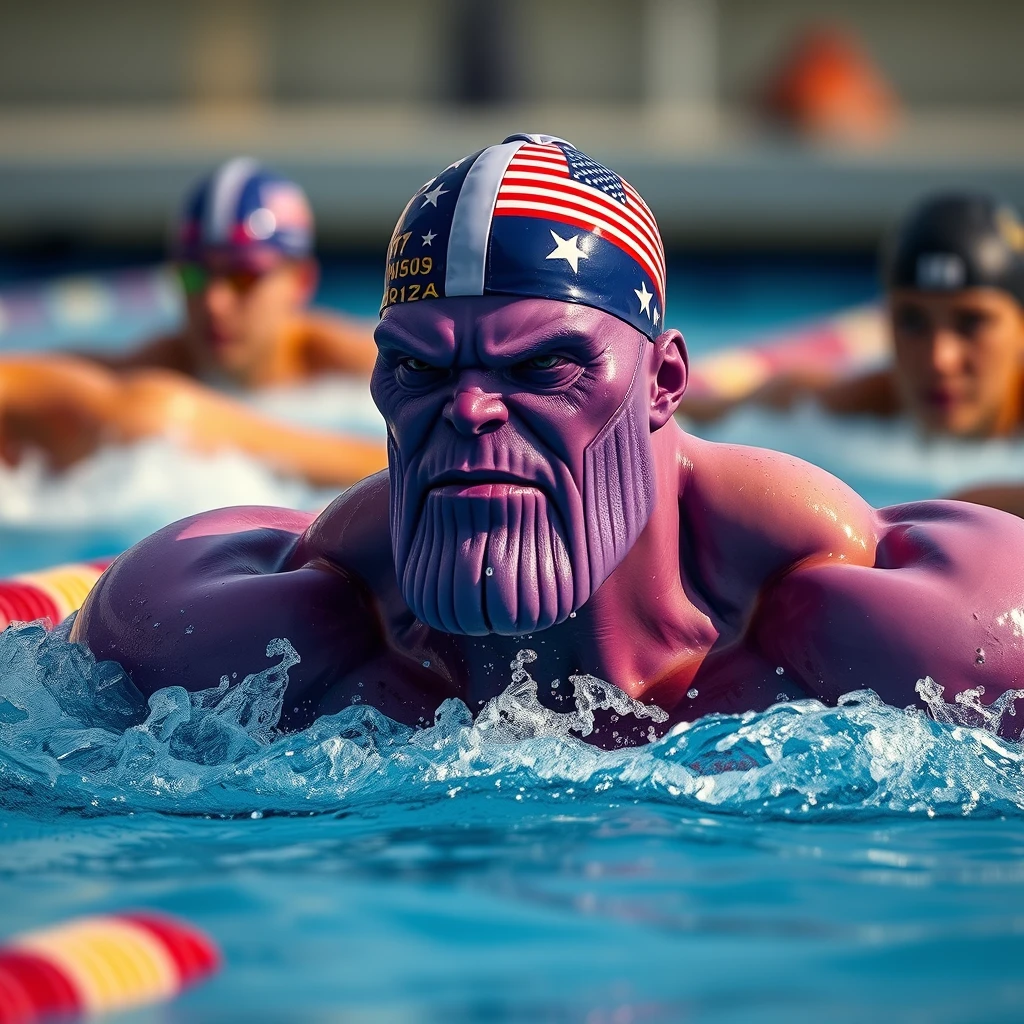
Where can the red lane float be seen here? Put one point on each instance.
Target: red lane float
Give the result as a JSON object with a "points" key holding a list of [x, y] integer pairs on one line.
{"points": [[99, 964], [840, 346], [51, 594]]}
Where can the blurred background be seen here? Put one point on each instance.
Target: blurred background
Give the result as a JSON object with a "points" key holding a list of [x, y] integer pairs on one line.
{"points": [[108, 108]]}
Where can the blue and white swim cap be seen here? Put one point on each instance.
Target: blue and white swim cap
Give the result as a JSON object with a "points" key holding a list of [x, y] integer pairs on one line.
{"points": [[244, 210], [533, 217]]}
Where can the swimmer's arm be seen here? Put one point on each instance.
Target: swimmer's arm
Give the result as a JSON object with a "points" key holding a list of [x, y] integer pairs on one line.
{"points": [[871, 394], [333, 344], [57, 405], [166, 403], [68, 407], [943, 598], [166, 353], [204, 597], [1008, 497]]}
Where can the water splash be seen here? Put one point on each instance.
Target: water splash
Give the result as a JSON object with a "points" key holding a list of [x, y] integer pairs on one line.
{"points": [[517, 713], [967, 708], [76, 736]]}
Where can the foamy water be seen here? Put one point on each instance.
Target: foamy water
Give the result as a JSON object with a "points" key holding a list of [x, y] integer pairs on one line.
{"points": [[74, 734]]}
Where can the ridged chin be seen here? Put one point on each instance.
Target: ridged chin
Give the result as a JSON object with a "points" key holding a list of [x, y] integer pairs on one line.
{"points": [[496, 564]]}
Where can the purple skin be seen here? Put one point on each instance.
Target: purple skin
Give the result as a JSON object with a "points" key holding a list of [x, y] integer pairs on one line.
{"points": [[536, 438]]}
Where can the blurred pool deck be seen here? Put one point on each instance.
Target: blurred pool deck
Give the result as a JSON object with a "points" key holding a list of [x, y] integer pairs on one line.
{"points": [[711, 176]]}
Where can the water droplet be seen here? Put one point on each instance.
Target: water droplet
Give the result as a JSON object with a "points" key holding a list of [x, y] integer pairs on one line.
{"points": [[782, 696], [188, 629], [980, 659], [489, 571], [426, 664], [256, 815], [155, 624], [572, 615], [692, 692], [779, 671]]}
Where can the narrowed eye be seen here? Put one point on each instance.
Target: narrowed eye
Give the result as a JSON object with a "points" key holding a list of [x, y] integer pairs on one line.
{"points": [[416, 365], [544, 362]]}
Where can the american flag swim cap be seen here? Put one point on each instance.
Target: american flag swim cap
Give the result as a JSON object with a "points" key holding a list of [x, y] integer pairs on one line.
{"points": [[533, 217], [244, 209]]}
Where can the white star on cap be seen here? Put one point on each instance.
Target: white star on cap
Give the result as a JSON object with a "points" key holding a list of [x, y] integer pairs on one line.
{"points": [[645, 298], [657, 316], [429, 237], [433, 195], [567, 249]]}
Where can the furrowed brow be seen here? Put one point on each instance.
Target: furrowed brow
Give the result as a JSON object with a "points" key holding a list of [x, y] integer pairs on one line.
{"points": [[548, 338], [395, 339]]}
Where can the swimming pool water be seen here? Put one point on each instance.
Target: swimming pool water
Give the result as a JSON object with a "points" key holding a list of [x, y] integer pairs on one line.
{"points": [[865, 863], [806, 863]]}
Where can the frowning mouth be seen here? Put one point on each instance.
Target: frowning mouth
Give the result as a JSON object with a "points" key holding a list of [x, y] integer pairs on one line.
{"points": [[488, 483]]}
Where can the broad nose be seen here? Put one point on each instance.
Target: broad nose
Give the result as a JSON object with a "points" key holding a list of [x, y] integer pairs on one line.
{"points": [[472, 411]]}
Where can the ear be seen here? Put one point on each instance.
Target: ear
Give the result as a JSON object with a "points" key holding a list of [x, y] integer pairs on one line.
{"points": [[670, 370]]}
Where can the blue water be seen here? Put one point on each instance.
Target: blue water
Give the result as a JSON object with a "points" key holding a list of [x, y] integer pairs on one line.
{"points": [[841, 864], [865, 862]]}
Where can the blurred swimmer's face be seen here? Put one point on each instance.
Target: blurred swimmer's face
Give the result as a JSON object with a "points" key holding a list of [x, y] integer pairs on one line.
{"points": [[959, 359], [519, 448], [238, 312]]}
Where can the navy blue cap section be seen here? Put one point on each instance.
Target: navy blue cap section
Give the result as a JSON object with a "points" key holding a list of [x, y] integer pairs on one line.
{"points": [[530, 256], [951, 242], [418, 251], [243, 207]]}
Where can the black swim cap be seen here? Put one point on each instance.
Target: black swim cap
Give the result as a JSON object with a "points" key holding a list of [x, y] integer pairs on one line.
{"points": [[950, 242]]}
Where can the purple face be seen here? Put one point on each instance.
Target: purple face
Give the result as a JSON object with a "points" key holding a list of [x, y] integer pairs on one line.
{"points": [[520, 456]]}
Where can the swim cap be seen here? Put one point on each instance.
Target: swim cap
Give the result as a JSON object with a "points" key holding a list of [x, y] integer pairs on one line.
{"points": [[533, 217], [246, 211], [950, 242]]}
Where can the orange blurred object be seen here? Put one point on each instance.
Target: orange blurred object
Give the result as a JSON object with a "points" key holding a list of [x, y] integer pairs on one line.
{"points": [[828, 87]]}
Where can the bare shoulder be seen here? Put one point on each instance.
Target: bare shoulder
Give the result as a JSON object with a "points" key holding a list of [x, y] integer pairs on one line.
{"points": [[749, 514], [206, 595], [354, 532], [944, 598]]}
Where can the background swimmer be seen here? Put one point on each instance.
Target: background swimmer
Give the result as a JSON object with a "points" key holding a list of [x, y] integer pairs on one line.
{"points": [[243, 250], [541, 493], [243, 247], [66, 408], [954, 277]]}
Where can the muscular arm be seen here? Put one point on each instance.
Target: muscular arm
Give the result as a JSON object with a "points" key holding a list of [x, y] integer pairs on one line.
{"points": [[935, 602], [203, 598], [68, 407]]}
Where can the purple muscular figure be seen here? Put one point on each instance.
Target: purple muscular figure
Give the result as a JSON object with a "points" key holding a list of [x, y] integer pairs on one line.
{"points": [[541, 495]]}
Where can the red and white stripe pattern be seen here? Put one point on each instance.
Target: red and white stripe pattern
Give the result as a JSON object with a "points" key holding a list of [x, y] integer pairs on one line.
{"points": [[537, 183]]}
